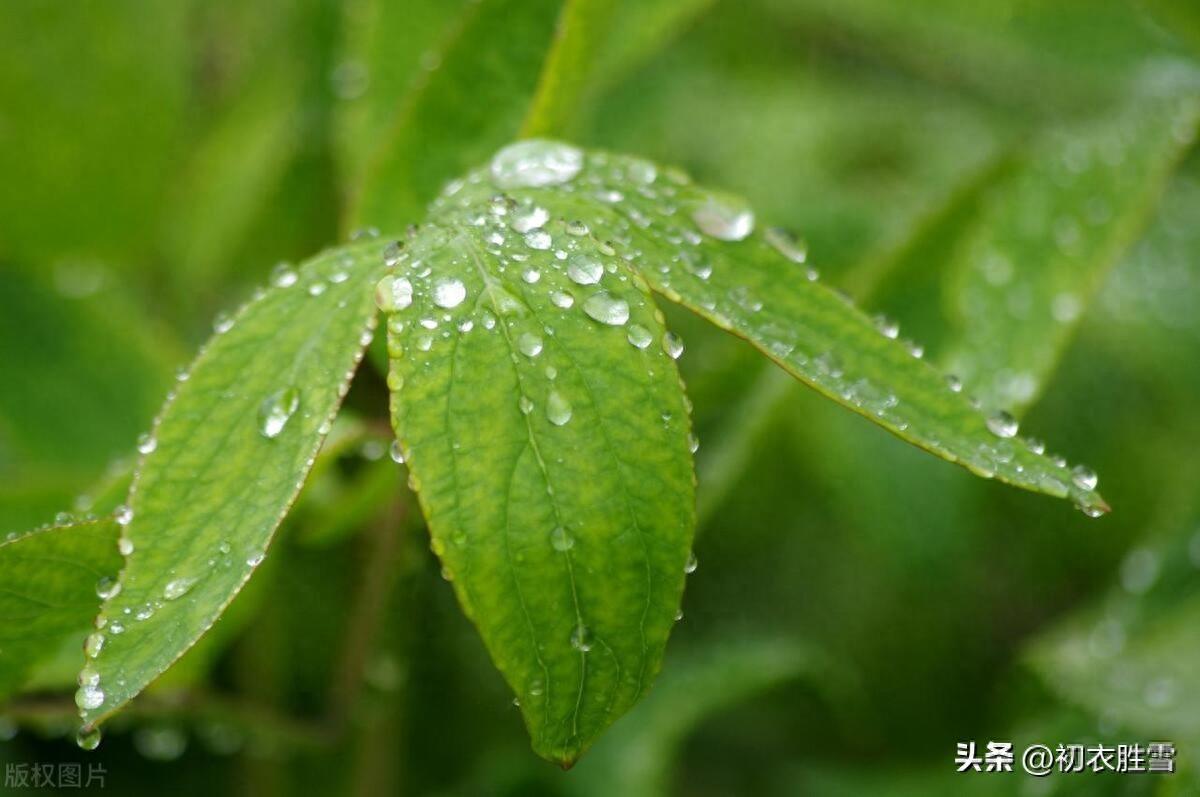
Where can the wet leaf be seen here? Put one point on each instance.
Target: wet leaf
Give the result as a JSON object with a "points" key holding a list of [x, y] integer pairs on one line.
{"points": [[228, 454], [51, 577]]}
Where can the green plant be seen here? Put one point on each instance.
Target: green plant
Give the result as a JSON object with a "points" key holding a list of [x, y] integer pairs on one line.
{"points": [[535, 397]]}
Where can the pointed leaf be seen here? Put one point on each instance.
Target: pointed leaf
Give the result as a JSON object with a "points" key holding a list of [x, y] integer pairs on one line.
{"points": [[50, 579], [470, 104], [547, 437], [1042, 248], [701, 249], [230, 451]]}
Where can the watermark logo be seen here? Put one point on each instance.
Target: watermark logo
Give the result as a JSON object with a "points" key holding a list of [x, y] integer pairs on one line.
{"points": [[1040, 760], [63, 775]]}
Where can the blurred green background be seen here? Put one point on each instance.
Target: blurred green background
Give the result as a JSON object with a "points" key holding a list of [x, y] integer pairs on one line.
{"points": [[860, 607]]}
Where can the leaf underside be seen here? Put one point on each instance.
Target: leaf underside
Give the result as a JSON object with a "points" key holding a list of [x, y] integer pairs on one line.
{"points": [[230, 451], [49, 579]]}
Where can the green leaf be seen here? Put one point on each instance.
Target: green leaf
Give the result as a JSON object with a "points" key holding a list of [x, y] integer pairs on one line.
{"points": [[550, 453], [50, 578], [582, 28], [1134, 656], [681, 238], [462, 111], [1043, 246], [230, 451], [638, 761], [382, 56], [520, 309]]}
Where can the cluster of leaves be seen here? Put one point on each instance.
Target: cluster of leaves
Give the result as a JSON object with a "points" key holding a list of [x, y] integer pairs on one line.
{"points": [[534, 389]]}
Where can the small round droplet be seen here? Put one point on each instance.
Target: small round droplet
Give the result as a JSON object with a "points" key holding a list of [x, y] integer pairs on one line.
{"points": [[525, 404], [672, 345], [146, 444], [276, 410], [639, 336], [606, 308], [449, 293], [581, 638], [93, 645], [562, 299], [558, 409], [88, 739], [724, 217], [1002, 425], [529, 344], [535, 162], [256, 559], [887, 327], [396, 452], [123, 514], [283, 275], [1084, 477], [691, 564], [107, 587], [561, 540], [125, 546]]}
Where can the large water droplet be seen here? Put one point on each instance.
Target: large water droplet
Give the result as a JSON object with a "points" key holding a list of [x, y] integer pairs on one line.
{"points": [[89, 697], [449, 293], [93, 645], [1002, 425], [607, 309], [530, 218], [535, 162], [529, 344], [724, 217], [558, 409], [672, 345], [107, 587], [584, 269], [1084, 477], [393, 293], [276, 410], [639, 336]]}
